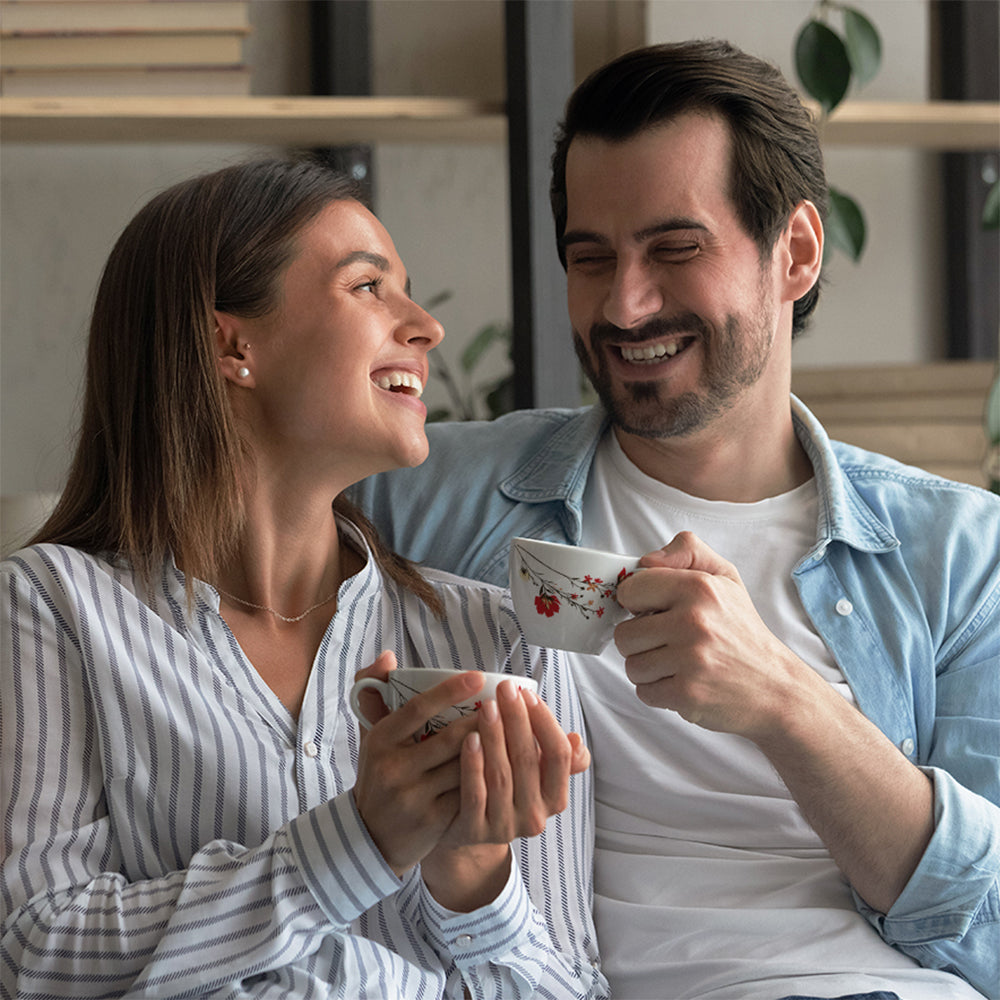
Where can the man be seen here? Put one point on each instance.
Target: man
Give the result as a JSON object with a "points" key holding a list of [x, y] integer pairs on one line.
{"points": [[797, 737]]}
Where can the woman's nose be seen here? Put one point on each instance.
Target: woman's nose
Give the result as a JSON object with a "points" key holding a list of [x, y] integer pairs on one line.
{"points": [[421, 326]]}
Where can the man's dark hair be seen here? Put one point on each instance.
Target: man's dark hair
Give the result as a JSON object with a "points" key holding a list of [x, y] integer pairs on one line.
{"points": [[776, 158]]}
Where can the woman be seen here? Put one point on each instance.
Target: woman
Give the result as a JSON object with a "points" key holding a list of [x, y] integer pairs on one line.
{"points": [[190, 809]]}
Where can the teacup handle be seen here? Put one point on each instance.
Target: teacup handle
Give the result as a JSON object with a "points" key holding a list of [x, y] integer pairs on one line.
{"points": [[355, 697]]}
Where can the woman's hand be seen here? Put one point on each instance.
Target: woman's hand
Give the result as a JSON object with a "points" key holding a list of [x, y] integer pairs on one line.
{"points": [[515, 771], [407, 793]]}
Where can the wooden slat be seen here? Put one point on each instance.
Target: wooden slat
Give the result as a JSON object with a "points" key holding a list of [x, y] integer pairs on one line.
{"points": [[894, 409], [929, 415], [936, 125], [934, 377], [267, 120], [939, 125], [916, 442]]}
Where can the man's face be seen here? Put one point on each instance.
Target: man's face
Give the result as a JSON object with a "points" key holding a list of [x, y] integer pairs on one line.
{"points": [[673, 311]]}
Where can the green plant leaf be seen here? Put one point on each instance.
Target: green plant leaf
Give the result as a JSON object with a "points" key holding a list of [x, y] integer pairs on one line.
{"points": [[845, 225], [500, 399], [864, 46], [481, 342], [991, 210], [822, 64]]}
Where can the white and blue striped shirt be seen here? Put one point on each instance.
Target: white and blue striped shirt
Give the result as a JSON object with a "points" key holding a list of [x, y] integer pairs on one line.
{"points": [[170, 830]]}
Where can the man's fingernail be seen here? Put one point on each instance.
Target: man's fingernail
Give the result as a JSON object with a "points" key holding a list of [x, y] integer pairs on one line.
{"points": [[530, 698], [489, 710], [507, 690]]}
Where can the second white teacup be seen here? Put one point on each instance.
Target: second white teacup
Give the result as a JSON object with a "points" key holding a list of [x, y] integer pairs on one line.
{"points": [[565, 595], [406, 682]]}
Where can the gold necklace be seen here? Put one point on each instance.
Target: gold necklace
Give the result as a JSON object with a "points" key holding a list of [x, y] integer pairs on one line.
{"points": [[278, 614]]}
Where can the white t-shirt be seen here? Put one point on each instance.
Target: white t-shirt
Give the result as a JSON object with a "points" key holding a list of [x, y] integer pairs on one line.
{"points": [[709, 883]]}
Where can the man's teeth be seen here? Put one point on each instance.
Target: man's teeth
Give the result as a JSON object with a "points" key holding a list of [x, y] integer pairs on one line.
{"points": [[401, 380], [650, 353]]}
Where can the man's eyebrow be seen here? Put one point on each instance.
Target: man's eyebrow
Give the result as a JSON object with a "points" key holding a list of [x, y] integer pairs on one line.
{"points": [[582, 236], [669, 226], [656, 229]]}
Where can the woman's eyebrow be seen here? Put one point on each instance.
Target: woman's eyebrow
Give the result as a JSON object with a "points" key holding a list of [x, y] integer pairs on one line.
{"points": [[382, 263]]}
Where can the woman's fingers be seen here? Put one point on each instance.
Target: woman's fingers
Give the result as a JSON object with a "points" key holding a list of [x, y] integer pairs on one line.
{"points": [[412, 718], [524, 757], [555, 753]]}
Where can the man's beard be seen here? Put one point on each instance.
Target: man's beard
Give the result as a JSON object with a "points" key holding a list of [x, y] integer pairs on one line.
{"points": [[735, 358]]}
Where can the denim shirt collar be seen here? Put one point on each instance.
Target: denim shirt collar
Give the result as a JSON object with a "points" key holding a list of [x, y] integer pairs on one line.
{"points": [[844, 516], [558, 472]]}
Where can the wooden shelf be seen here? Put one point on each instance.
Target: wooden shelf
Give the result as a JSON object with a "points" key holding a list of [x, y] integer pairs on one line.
{"points": [[279, 121], [935, 125]]}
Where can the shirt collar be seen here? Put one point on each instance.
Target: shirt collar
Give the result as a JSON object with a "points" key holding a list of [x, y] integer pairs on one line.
{"points": [[844, 515], [558, 471]]}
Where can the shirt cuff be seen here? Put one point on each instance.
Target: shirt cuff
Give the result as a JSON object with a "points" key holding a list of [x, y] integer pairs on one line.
{"points": [[338, 860], [485, 935], [955, 874]]}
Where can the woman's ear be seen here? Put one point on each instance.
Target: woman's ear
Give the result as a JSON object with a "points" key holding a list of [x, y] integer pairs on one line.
{"points": [[235, 362], [804, 237]]}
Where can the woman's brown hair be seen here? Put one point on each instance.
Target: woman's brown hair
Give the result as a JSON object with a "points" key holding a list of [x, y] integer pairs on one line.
{"points": [[159, 465]]}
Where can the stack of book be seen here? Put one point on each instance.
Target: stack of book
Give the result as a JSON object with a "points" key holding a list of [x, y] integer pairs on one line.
{"points": [[61, 48]]}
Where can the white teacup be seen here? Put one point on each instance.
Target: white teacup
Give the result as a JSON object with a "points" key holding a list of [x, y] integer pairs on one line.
{"points": [[565, 596], [405, 682]]}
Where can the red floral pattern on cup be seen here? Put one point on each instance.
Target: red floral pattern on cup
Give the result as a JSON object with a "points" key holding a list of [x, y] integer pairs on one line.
{"points": [[584, 594], [547, 604]]}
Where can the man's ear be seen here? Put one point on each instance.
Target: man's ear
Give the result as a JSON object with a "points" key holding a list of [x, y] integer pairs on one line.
{"points": [[233, 351], [803, 237]]}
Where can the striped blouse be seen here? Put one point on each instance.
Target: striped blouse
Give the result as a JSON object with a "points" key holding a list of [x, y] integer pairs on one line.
{"points": [[170, 830]]}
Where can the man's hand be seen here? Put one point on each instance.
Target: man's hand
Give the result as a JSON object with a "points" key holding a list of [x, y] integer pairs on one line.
{"points": [[699, 647]]}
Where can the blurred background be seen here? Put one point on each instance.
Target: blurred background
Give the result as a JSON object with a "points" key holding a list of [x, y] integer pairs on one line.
{"points": [[446, 202]]}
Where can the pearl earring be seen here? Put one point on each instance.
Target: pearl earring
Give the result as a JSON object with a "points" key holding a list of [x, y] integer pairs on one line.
{"points": [[242, 372]]}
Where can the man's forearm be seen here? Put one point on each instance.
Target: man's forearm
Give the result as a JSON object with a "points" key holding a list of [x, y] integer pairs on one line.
{"points": [[872, 808]]}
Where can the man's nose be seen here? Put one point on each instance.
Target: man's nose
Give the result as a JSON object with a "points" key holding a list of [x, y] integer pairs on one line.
{"points": [[634, 297]]}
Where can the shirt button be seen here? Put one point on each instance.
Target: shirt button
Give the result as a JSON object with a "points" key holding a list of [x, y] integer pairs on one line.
{"points": [[907, 746], [463, 940], [843, 607], [310, 749]]}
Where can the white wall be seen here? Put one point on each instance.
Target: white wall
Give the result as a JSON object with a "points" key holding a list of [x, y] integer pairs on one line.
{"points": [[61, 209], [61, 206]]}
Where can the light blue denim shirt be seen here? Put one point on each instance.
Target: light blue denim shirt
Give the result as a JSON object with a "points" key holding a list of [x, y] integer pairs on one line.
{"points": [[902, 583]]}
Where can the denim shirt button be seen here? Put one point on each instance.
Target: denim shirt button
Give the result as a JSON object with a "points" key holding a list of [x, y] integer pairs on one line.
{"points": [[907, 746], [843, 606]]}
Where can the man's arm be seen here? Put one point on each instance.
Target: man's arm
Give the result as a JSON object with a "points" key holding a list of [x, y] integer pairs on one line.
{"points": [[698, 647]]}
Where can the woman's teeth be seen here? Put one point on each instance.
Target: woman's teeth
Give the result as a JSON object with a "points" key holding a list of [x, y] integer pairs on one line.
{"points": [[651, 353], [403, 381]]}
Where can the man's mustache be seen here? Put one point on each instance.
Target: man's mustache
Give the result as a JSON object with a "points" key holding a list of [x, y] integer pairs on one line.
{"points": [[654, 329]]}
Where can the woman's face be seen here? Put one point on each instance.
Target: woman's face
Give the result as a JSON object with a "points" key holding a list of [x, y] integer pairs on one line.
{"points": [[338, 367]]}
